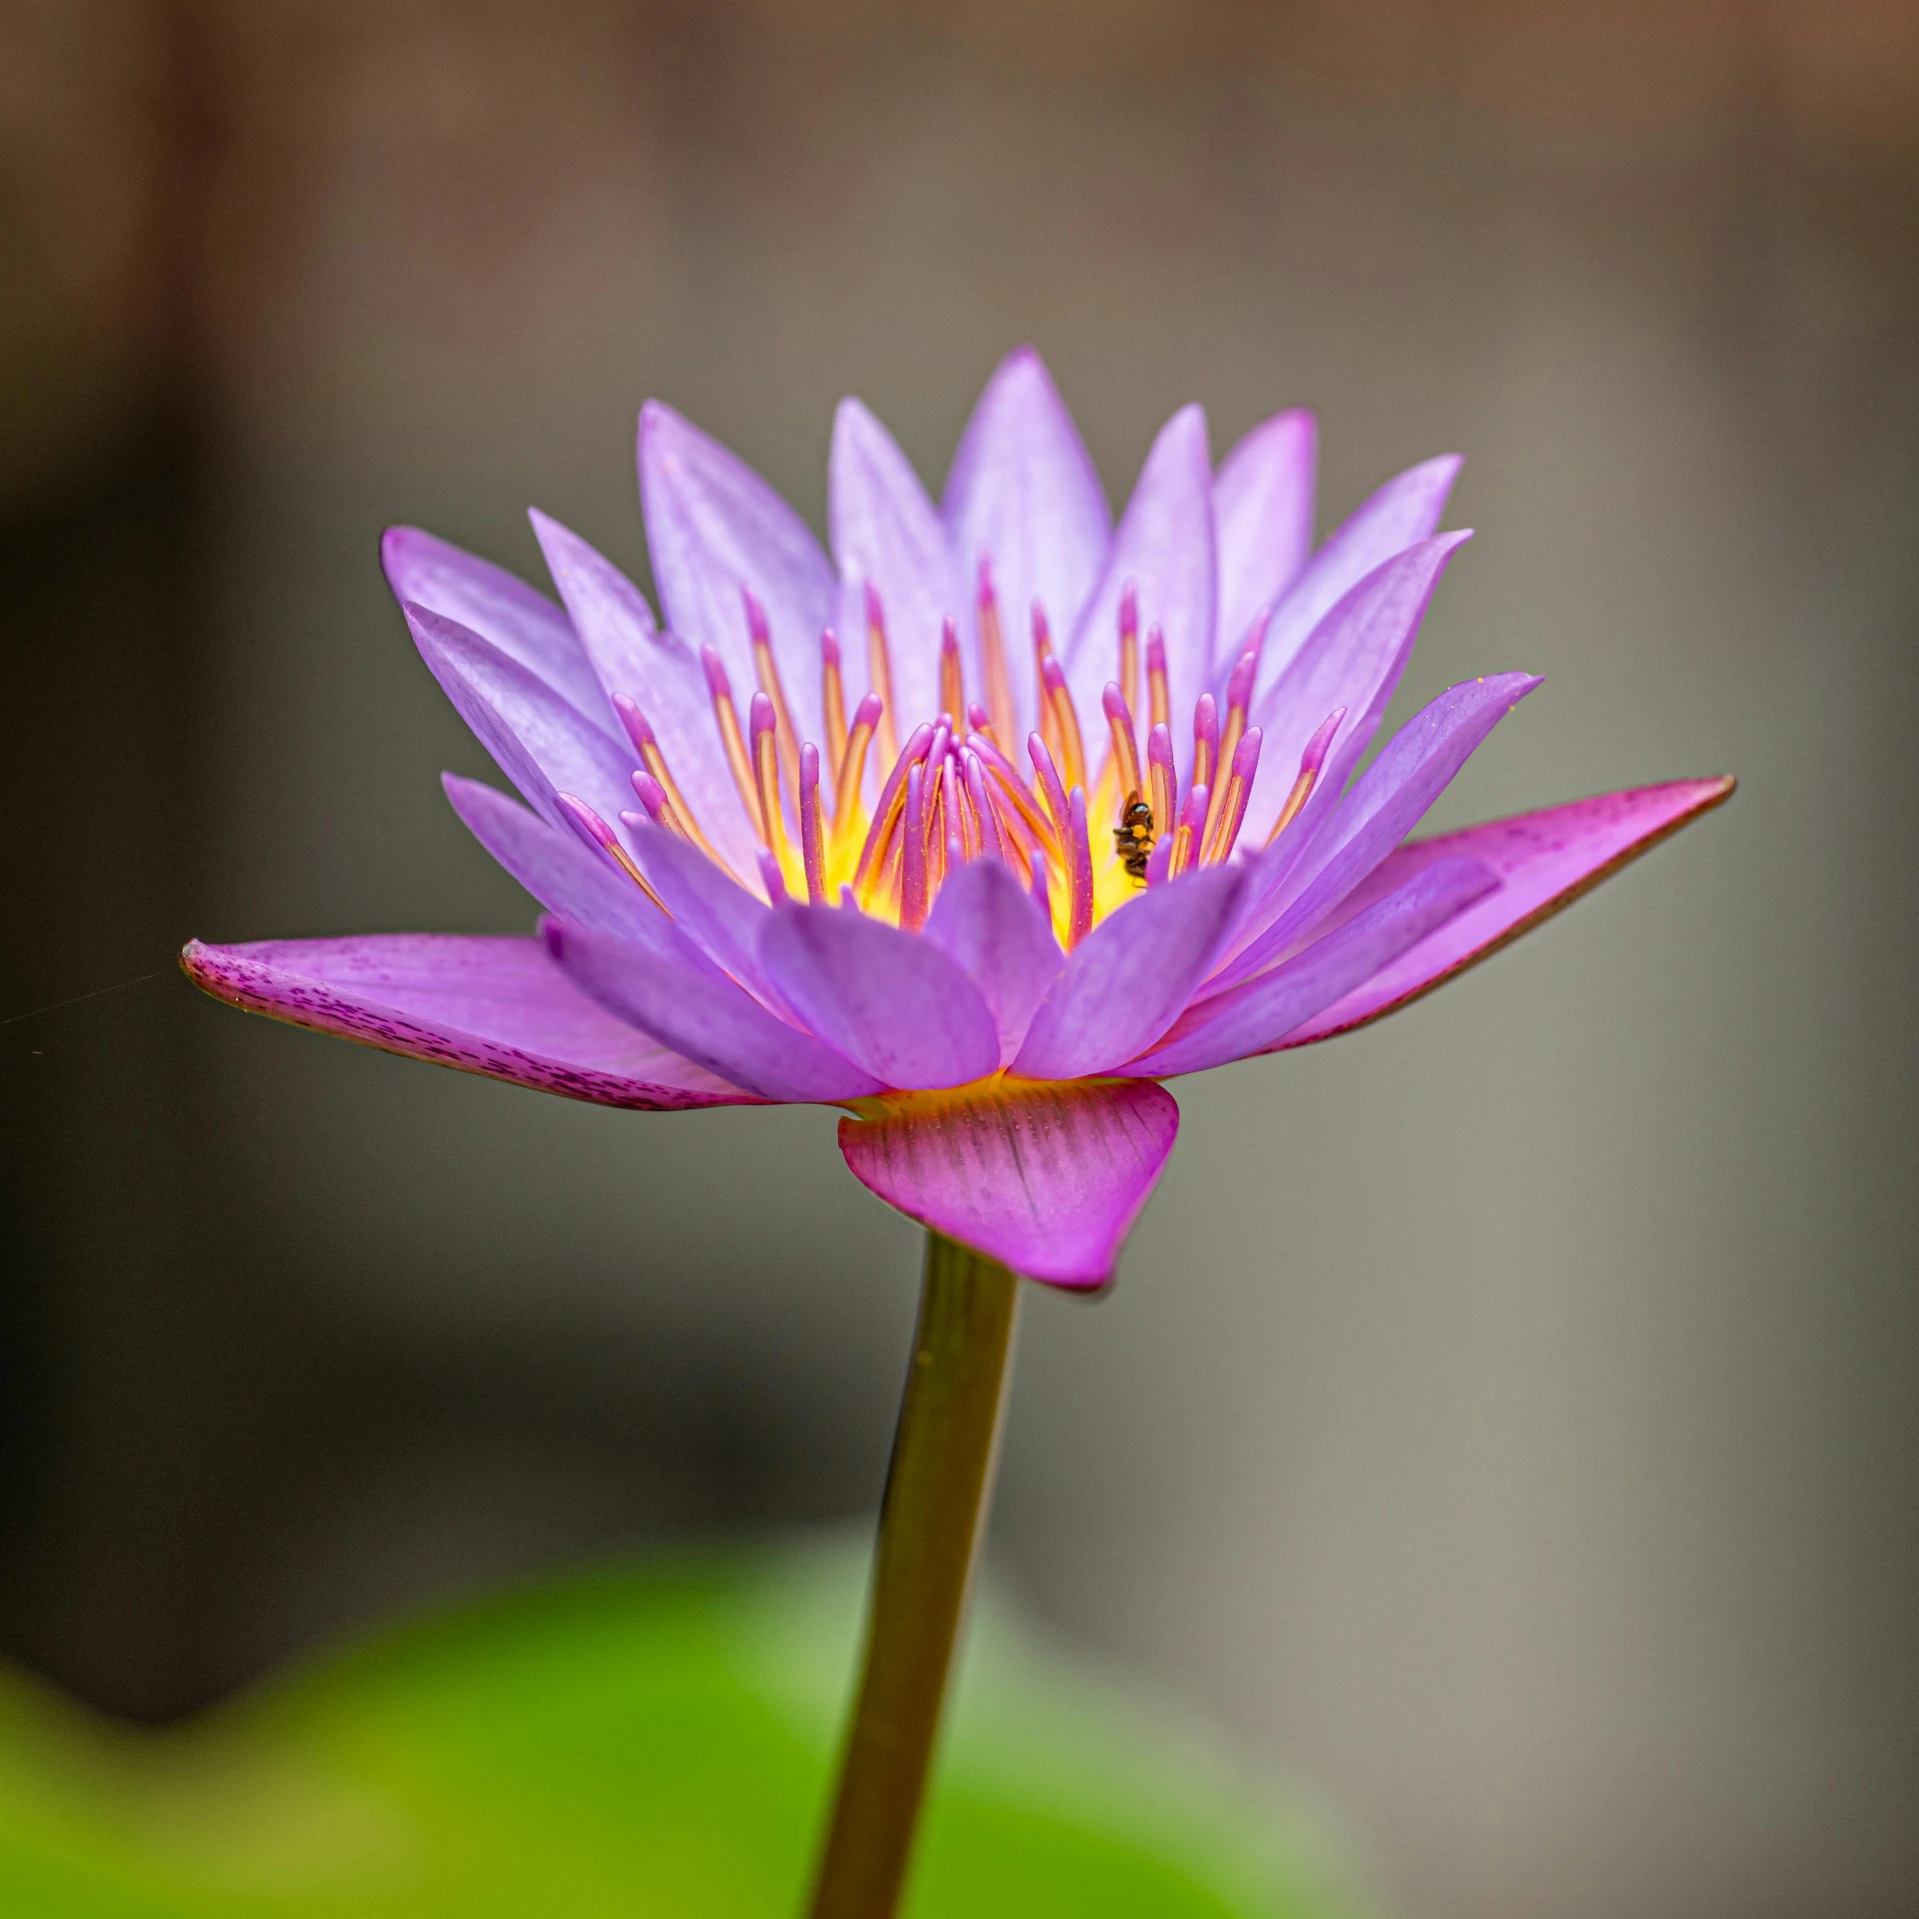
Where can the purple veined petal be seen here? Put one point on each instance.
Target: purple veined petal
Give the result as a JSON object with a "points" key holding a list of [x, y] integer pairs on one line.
{"points": [[553, 863], [713, 525], [1164, 545], [1544, 861], [887, 532], [499, 606], [1023, 491], [715, 912], [543, 744], [892, 1003], [1263, 518], [990, 925], [1354, 658], [661, 671], [1391, 798], [706, 1018], [1131, 977], [1406, 509], [1255, 1017], [1047, 1179], [497, 1007]]}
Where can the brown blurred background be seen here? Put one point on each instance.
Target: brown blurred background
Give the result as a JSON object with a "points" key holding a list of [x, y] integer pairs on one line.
{"points": [[1506, 1417]]}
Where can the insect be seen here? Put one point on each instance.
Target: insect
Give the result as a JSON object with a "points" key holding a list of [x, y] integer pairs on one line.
{"points": [[1133, 836]]}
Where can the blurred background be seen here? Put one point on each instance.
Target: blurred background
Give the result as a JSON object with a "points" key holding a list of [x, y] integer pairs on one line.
{"points": [[1505, 1419]]}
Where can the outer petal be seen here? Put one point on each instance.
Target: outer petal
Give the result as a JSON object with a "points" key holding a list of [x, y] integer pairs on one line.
{"points": [[1354, 658], [1165, 546], [1044, 1178], [1255, 1017], [993, 928], [1405, 509], [716, 913], [1023, 491], [524, 625], [1132, 976], [707, 1018], [1263, 517], [499, 1007], [541, 743], [659, 670], [886, 531], [888, 1000], [1545, 861], [713, 525]]}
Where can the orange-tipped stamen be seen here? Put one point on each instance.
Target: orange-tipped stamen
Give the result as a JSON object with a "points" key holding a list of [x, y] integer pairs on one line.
{"points": [[731, 738], [879, 673], [812, 834], [1239, 695], [1070, 748], [1013, 790], [766, 775], [1047, 718], [984, 813], [833, 702], [596, 832], [766, 670], [1079, 870], [1205, 740], [659, 808], [1192, 818], [654, 760], [952, 679], [1310, 763], [913, 851], [1229, 811], [1129, 644], [1159, 697], [892, 803], [1119, 722], [992, 655], [852, 771], [1162, 781]]}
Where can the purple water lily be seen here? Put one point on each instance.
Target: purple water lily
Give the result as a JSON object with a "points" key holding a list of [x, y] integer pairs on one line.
{"points": [[1023, 814]]}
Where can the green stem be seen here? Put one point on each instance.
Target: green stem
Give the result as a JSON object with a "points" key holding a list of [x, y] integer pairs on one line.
{"points": [[930, 1524]]}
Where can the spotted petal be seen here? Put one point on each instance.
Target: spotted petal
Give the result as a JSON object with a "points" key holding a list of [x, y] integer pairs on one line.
{"points": [[1044, 1178]]}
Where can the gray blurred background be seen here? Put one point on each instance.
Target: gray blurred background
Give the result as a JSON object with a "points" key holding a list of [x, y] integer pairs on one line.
{"points": [[1506, 1417]]}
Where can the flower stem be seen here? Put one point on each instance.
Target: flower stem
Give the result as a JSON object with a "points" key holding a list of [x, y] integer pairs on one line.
{"points": [[930, 1525]]}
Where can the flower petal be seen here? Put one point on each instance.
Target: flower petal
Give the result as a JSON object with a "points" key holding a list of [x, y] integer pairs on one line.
{"points": [[704, 1016], [1131, 977], [1164, 545], [1044, 1178], [1391, 798], [888, 1000], [1353, 659], [1544, 860], [714, 911], [886, 532], [659, 670], [498, 1007], [994, 930], [1256, 1017], [1023, 492], [1405, 509], [553, 863], [1263, 517], [500, 607], [713, 526], [543, 744]]}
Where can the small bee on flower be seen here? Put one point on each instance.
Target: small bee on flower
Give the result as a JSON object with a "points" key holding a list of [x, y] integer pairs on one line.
{"points": [[1133, 836]]}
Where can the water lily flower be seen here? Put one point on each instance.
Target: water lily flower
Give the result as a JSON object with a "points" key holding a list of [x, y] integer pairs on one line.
{"points": [[980, 830]]}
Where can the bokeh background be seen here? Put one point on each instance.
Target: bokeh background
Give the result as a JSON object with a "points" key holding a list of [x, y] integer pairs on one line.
{"points": [[1505, 1417]]}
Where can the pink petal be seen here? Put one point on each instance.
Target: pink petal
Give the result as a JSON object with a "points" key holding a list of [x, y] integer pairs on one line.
{"points": [[998, 934], [1131, 977], [544, 745], [706, 1017], [1263, 514], [888, 1000], [1044, 1178], [524, 625], [713, 525], [1353, 659], [498, 1007], [716, 913], [1023, 490], [1164, 544], [1256, 1017], [1407, 508], [1545, 861], [659, 670], [887, 532]]}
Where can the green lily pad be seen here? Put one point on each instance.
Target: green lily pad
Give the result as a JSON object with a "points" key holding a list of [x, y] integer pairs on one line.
{"points": [[644, 1740]]}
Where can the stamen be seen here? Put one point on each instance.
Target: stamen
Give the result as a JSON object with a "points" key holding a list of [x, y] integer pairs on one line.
{"points": [[1053, 793], [1129, 645], [654, 760], [952, 682], [1205, 740], [1310, 763], [1042, 652], [772, 878], [1036, 869], [833, 700], [1071, 749], [1229, 810], [960, 830], [659, 809], [1192, 818], [846, 792], [766, 770], [913, 852], [1162, 780], [596, 832], [1158, 688], [1014, 791], [985, 813], [766, 670], [892, 803], [1239, 694], [812, 839], [879, 671], [1079, 871], [730, 735], [992, 654], [1119, 721]]}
